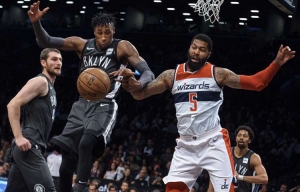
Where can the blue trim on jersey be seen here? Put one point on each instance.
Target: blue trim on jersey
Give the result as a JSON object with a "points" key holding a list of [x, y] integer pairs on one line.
{"points": [[256, 188], [201, 96]]}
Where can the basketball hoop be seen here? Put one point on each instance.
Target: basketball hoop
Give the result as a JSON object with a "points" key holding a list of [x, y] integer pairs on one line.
{"points": [[209, 9]]}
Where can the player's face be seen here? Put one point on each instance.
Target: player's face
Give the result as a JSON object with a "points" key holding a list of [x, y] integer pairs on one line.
{"points": [[104, 35], [242, 139], [198, 54], [53, 63]]}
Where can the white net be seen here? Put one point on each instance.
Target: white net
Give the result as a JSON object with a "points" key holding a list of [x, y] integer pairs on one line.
{"points": [[209, 9]]}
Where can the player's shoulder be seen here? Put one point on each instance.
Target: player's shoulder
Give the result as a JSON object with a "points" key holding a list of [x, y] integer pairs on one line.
{"points": [[255, 159], [124, 43], [40, 79]]}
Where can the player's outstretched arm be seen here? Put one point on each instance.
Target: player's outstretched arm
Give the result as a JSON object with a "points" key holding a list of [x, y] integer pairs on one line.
{"points": [[258, 81], [44, 40], [163, 82], [261, 176], [37, 86], [132, 56]]}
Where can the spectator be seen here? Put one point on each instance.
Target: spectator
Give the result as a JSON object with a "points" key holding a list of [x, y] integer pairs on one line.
{"points": [[111, 172], [54, 162], [141, 180], [93, 188], [125, 186], [96, 171], [283, 188], [127, 176]]}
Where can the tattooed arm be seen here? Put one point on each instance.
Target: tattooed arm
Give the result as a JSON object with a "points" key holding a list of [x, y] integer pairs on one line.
{"points": [[226, 77], [163, 82], [258, 81]]}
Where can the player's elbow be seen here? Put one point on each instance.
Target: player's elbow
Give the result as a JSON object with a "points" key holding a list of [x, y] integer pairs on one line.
{"points": [[41, 44], [259, 86], [265, 179], [10, 106], [137, 97]]}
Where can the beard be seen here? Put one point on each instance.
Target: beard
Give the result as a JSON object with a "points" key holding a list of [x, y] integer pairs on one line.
{"points": [[241, 146], [52, 72], [195, 66]]}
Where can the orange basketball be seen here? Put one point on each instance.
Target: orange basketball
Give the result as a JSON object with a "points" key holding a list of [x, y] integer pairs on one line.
{"points": [[93, 84]]}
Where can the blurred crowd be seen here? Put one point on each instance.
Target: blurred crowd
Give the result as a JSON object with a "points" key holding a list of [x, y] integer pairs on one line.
{"points": [[143, 140]]}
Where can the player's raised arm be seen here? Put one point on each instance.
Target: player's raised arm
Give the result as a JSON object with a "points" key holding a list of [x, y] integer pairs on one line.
{"points": [[44, 39], [258, 81], [160, 84], [130, 54]]}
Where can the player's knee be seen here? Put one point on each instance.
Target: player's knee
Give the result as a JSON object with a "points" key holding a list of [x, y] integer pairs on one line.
{"points": [[87, 142], [176, 187]]}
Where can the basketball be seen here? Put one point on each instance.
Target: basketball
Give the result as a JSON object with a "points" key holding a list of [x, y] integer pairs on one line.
{"points": [[93, 84]]}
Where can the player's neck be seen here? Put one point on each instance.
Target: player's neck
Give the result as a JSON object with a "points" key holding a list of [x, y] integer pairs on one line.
{"points": [[240, 152], [50, 77]]}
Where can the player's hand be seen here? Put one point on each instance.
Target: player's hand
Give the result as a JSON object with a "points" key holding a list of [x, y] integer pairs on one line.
{"points": [[124, 72], [131, 84], [23, 144], [284, 54], [126, 77], [34, 13]]}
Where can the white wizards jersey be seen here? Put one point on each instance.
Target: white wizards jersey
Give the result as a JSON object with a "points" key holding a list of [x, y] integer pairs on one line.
{"points": [[197, 98]]}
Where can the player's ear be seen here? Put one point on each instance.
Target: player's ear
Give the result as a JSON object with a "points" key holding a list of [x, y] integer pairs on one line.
{"points": [[209, 55], [43, 63]]}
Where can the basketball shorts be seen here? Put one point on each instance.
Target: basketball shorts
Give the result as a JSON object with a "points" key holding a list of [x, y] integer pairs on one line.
{"points": [[210, 151], [29, 171], [96, 118]]}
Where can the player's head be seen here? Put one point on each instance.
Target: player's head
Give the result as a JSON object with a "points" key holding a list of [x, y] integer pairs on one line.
{"points": [[103, 24], [244, 136], [199, 51], [51, 61]]}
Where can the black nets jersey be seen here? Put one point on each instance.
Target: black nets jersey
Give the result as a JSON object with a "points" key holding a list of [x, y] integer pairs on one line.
{"points": [[105, 60], [242, 167], [37, 116]]}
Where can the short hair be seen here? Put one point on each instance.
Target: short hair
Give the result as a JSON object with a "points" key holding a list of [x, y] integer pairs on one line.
{"points": [[93, 185], [98, 181], [205, 38], [103, 18], [45, 53], [113, 187], [246, 128], [133, 188]]}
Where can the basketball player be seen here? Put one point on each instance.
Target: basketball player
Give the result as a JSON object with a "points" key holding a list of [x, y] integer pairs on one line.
{"points": [[197, 88], [249, 170], [90, 123], [37, 99]]}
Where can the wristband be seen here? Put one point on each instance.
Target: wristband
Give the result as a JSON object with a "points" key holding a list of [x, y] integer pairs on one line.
{"points": [[240, 177]]}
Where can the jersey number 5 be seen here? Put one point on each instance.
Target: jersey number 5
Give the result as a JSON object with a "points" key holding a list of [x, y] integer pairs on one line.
{"points": [[193, 100]]}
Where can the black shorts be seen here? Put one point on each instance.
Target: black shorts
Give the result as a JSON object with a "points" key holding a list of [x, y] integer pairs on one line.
{"points": [[96, 118], [29, 171]]}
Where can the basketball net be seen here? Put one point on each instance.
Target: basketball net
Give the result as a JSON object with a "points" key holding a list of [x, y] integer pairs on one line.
{"points": [[209, 9]]}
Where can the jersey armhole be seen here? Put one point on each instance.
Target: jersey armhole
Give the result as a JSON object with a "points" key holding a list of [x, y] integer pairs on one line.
{"points": [[213, 74]]}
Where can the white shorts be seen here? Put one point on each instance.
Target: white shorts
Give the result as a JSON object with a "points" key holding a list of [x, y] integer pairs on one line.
{"points": [[210, 151]]}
